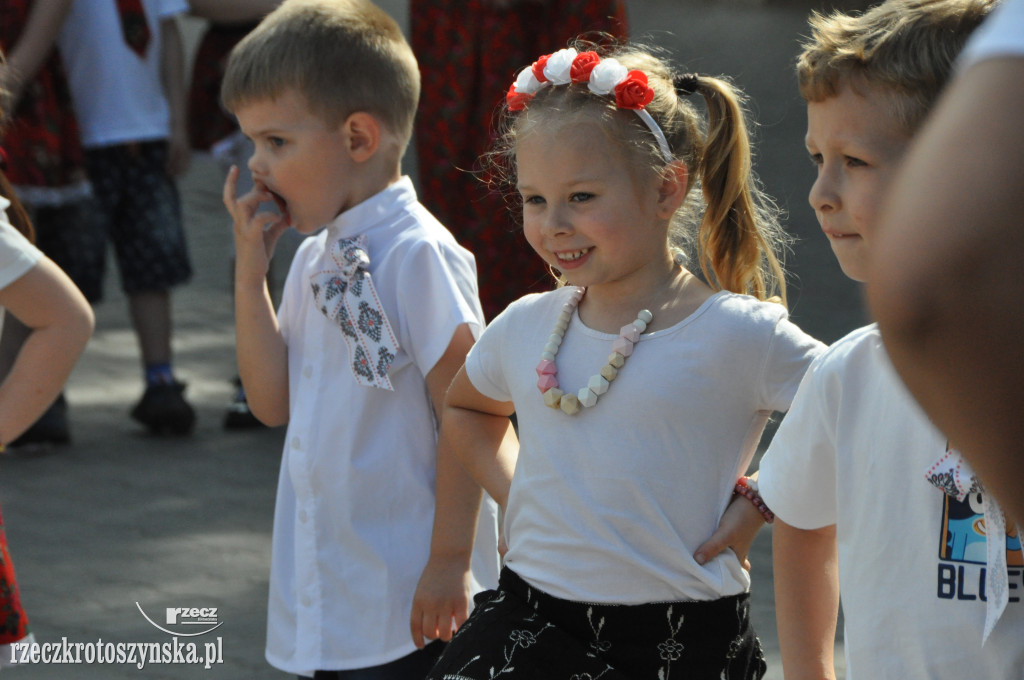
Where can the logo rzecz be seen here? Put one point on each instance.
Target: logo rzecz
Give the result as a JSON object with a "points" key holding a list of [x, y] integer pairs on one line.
{"points": [[186, 616]]}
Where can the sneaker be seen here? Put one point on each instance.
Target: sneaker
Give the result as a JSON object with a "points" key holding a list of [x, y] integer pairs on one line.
{"points": [[164, 411], [237, 416], [51, 428]]}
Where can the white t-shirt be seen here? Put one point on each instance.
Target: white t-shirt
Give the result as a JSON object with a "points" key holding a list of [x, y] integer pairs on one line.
{"points": [[118, 96], [853, 451], [610, 504], [17, 254], [355, 502]]}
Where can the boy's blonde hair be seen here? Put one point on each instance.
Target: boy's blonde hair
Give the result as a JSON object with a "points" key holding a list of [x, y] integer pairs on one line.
{"points": [[342, 56], [905, 46], [738, 242]]}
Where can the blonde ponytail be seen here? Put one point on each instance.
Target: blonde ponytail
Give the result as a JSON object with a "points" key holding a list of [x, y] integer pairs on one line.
{"points": [[738, 241]]}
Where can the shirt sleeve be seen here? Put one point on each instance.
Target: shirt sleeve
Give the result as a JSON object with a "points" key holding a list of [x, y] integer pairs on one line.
{"points": [[484, 365], [437, 293], [797, 476], [790, 353], [17, 254]]}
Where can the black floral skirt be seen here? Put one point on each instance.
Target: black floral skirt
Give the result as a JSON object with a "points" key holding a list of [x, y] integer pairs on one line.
{"points": [[518, 631]]}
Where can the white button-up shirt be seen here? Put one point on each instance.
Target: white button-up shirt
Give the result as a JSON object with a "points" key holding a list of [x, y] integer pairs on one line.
{"points": [[355, 500]]}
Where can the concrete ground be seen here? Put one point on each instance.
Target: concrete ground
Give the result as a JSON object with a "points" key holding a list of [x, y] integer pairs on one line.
{"points": [[120, 524]]}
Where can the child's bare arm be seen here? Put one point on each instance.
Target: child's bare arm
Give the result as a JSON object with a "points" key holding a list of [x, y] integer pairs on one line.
{"points": [[61, 322], [806, 599], [172, 75], [441, 603], [736, 530], [262, 353]]}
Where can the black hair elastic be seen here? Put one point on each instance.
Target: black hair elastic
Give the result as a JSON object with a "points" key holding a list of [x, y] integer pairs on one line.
{"points": [[686, 83]]}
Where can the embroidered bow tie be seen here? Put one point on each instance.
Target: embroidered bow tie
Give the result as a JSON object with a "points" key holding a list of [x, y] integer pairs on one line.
{"points": [[346, 296], [954, 476]]}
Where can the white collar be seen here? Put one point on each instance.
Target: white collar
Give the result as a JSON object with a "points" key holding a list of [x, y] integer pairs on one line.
{"points": [[379, 208]]}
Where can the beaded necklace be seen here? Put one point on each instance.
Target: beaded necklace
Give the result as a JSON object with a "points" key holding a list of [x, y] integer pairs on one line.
{"points": [[547, 372]]}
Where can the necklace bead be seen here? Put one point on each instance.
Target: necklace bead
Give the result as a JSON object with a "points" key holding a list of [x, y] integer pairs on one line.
{"points": [[547, 370]]}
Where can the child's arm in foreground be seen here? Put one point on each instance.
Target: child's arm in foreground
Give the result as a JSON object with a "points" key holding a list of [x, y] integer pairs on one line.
{"points": [[262, 353], [61, 321], [476, 448], [945, 272], [806, 599]]}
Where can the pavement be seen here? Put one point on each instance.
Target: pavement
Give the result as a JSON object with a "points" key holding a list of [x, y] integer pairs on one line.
{"points": [[118, 527]]}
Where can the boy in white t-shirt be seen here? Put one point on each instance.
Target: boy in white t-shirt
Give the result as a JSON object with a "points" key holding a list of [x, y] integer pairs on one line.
{"points": [[378, 312], [871, 503]]}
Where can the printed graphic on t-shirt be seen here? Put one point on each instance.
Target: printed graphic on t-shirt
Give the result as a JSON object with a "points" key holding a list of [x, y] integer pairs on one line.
{"points": [[962, 549]]}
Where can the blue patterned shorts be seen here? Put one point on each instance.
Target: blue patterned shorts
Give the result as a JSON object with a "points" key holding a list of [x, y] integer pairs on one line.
{"points": [[136, 207], [521, 632]]}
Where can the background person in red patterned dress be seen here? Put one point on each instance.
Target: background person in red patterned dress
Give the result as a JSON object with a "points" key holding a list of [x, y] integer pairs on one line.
{"points": [[468, 51]]}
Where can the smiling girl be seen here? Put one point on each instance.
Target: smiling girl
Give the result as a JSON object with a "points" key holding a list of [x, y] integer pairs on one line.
{"points": [[652, 387]]}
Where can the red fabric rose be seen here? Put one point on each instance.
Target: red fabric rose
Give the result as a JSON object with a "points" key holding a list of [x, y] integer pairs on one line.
{"points": [[582, 65], [516, 101], [633, 92], [538, 69]]}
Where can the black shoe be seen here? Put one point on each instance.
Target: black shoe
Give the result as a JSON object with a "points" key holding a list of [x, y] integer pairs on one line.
{"points": [[51, 428], [164, 410], [237, 416]]}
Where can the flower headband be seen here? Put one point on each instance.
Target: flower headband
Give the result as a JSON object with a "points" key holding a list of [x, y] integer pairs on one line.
{"points": [[602, 76]]}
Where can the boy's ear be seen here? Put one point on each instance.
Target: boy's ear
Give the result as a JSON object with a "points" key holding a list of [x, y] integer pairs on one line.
{"points": [[363, 133], [672, 191]]}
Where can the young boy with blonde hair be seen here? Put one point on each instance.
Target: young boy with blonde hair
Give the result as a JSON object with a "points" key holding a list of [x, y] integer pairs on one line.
{"points": [[871, 501], [378, 312]]}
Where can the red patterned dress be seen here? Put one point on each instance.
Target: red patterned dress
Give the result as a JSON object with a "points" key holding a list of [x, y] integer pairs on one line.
{"points": [[41, 142], [469, 52], [208, 121], [13, 622]]}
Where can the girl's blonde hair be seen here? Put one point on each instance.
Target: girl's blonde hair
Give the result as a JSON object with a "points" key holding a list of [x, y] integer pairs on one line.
{"points": [[738, 241]]}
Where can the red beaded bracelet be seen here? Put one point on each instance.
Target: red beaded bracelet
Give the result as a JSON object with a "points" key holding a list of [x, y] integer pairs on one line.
{"points": [[747, 487]]}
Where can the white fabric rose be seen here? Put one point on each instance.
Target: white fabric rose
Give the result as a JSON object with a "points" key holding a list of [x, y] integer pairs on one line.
{"points": [[559, 66], [606, 76], [526, 82]]}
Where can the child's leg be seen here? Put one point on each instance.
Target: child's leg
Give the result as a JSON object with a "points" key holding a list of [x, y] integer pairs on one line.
{"points": [[149, 240]]}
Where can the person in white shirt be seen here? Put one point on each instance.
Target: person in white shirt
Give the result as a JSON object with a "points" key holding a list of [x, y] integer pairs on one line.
{"points": [[630, 445], [873, 506], [378, 312]]}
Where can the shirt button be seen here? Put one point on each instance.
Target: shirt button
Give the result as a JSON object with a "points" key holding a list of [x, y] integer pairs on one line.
{"points": [[296, 443], [303, 516], [308, 371], [306, 601]]}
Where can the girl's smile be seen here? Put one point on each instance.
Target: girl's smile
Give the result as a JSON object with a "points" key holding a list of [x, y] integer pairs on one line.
{"points": [[572, 259], [587, 211]]}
